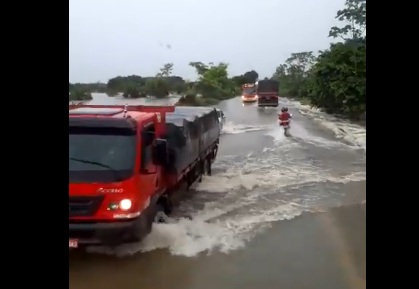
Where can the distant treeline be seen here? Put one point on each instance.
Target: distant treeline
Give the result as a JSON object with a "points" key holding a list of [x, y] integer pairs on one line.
{"points": [[213, 84]]}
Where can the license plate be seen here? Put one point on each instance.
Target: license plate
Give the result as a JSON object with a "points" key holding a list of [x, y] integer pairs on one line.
{"points": [[73, 243]]}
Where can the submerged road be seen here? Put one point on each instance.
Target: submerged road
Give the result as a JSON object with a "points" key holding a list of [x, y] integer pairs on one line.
{"points": [[278, 213]]}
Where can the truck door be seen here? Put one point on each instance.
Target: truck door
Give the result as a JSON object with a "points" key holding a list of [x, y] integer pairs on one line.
{"points": [[148, 171]]}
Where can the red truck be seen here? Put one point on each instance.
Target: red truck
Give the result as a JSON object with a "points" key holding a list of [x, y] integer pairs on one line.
{"points": [[249, 93], [127, 162], [267, 91]]}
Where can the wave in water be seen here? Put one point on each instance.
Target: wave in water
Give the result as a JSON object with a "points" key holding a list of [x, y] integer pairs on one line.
{"points": [[232, 128], [243, 199], [342, 129]]}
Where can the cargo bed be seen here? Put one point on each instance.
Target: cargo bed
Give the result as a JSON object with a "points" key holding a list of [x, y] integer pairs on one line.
{"points": [[268, 93], [190, 133]]}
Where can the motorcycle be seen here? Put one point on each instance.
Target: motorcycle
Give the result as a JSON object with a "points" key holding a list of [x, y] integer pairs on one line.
{"points": [[286, 126]]}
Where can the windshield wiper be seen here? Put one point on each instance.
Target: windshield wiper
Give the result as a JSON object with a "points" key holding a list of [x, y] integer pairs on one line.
{"points": [[115, 172]]}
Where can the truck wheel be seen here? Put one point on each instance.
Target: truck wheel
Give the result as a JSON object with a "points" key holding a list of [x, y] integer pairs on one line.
{"points": [[201, 167], [214, 154], [168, 206], [143, 226], [165, 205], [160, 216], [208, 167]]}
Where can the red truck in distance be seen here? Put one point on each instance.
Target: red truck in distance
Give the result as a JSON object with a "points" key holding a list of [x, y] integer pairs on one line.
{"points": [[249, 93], [127, 162], [267, 92]]}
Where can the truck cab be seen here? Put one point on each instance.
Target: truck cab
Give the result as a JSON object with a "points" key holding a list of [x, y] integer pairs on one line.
{"points": [[249, 94], [116, 158]]}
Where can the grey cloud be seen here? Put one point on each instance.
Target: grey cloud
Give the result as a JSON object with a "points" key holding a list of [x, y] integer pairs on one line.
{"points": [[113, 37]]}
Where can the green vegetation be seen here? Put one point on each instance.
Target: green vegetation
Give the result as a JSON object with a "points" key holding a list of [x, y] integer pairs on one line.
{"points": [[79, 92], [135, 86], [335, 80], [212, 85], [83, 91]]}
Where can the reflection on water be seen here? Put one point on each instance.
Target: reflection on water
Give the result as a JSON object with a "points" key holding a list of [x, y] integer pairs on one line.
{"points": [[103, 98]]}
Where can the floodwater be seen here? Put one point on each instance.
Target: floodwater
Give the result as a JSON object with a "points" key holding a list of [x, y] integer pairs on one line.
{"points": [[278, 213]]}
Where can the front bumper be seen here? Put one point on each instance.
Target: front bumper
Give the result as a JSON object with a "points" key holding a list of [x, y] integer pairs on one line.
{"points": [[112, 233], [268, 103], [254, 99]]}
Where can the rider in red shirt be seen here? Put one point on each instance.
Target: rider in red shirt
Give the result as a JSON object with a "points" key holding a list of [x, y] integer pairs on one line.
{"points": [[284, 117]]}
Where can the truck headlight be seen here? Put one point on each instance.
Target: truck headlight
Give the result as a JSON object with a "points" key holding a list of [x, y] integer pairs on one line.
{"points": [[125, 204]]}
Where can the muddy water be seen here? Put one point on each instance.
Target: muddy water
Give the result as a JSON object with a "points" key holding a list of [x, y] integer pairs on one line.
{"points": [[277, 213]]}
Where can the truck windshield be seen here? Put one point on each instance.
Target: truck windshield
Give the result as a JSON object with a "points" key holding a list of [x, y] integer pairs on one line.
{"points": [[99, 155], [249, 90]]}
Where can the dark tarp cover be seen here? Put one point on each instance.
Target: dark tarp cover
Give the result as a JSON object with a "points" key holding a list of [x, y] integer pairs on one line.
{"points": [[189, 132], [268, 86]]}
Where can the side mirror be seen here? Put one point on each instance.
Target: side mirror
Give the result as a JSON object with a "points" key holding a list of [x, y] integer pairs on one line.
{"points": [[160, 154]]}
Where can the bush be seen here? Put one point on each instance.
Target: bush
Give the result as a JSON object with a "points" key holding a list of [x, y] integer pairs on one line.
{"points": [[202, 101], [157, 87], [189, 99], [80, 95]]}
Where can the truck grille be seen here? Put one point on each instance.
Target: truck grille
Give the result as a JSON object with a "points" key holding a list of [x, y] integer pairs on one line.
{"points": [[84, 206]]}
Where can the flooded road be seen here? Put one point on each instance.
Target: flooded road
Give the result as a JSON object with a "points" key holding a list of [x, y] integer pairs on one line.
{"points": [[277, 213]]}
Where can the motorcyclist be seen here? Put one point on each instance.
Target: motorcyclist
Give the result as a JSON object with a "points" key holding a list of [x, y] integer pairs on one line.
{"points": [[284, 117]]}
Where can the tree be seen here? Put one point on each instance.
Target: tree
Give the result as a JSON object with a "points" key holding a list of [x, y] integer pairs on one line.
{"points": [[248, 77], [251, 76], [239, 80], [157, 87], [133, 91], [122, 83], [166, 70], [294, 73], [134, 86], [335, 80], [79, 94], [338, 81], [300, 63], [355, 16], [213, 81], [200, 67], [337, 84]]}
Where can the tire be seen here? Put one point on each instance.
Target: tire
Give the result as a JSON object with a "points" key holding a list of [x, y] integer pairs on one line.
{"points": [[142, 229], [207, 169], [159, 216], [165, 205]]}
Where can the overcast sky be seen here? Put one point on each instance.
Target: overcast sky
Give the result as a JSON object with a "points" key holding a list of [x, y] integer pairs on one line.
{"points": [[123, 37]]}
